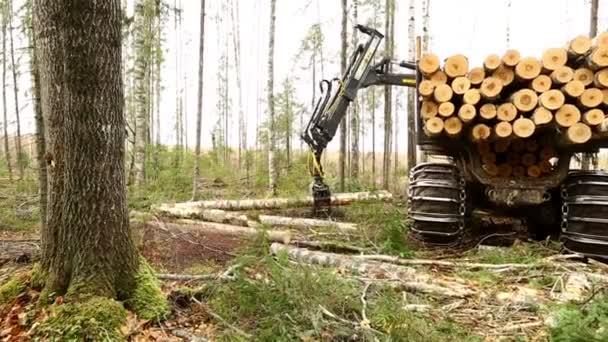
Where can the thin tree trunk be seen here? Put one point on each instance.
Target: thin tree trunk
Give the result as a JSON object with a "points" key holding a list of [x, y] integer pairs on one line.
{"points": [[386, 164], [18, 150], [411, 115], [396, 139], [591, 158], [236, 40], [158, 54], [354, 121], [91, 249], [373, 138], [178, 120], [7, 152], [199, 104], [362, 131], [343, 131], [272, 167], [425, 48], [40, 141]]}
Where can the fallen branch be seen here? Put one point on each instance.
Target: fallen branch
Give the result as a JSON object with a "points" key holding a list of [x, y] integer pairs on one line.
{"points": [[223, 229], [306, 223], [195, 208], [408, 278]]}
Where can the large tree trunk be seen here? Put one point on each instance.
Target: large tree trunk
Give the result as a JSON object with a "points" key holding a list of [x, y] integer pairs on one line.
{"points": [[388, 97], [18, 150], [343, 132], [411, 116], [89, 250], [40, 141], [143, 42], [7, 152], [354, 120], [272, 167], [199, 104]]}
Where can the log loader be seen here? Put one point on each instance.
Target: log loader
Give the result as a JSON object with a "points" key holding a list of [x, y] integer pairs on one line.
{"points": [[443, 195]]}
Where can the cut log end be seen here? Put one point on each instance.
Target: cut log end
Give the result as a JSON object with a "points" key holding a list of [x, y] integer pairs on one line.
{"points": [[519, 171], [534, 171], [562, 75], [487, 111], [601, 40], [579, 46], [429, 63], [573, 88], [480, 132], [593, 117], [490, 88], [600, 79], [476, 75], [491, 169], [453, 126], [542, 116], [505, 170], [428, 109], [460, 85], [503, 129], [506, 112], [579, 133], [541, 83], [598, 58], [434, 126], [528, 68], [446, 109], [554, 58], [438, 78], [591, 97], [467, 113], [443, 93], [491, 63], [505, 74], [583, 75], [525, 100], [426, 88], [511, 58], [567, 115], [552, 99], [455, 66], [524, 127], [472, 97]]}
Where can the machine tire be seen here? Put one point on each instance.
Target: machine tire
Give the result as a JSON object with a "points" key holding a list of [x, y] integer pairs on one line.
{"points": [[436, 204], [585, 213]]}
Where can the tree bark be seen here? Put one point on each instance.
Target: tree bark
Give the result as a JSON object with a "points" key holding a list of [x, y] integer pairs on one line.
{"points": [[199, 104], [92, 252], [588, 158], [7, 152], [343, 131], [18, 149], [306, 223], [354, 120], [272, 167], [236, 40], [38, 117]]}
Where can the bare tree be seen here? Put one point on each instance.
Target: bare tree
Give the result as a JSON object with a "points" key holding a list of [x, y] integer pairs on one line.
{"points": [[343, 130], [411, 117], [199, 104], [7, 152], [589, 159], [272, 167], [236, 40], [389, 28], [354, 120], [14, 68]]}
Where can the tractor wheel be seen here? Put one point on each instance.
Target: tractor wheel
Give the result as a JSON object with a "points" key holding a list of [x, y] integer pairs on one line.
{"points": [[585, 213], [436, 204]]}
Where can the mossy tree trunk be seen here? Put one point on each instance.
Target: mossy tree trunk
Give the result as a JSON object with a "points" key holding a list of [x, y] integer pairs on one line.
{"points": [[87, 247]]}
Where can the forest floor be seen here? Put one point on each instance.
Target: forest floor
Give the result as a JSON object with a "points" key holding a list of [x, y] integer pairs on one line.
{"points": [[369, 285]]}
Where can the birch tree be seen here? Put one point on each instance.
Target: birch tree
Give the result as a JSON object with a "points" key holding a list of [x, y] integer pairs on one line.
{"points": [[236, 43], [272, 167], [15, 72], [354, 120], [389, 29], [343, 130]]}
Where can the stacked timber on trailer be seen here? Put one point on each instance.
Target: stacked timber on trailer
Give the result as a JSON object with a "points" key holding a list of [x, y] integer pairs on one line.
{"points": [[517, 109]]}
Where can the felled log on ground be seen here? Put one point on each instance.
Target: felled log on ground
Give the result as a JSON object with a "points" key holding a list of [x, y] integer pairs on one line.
{"points": [[408, 277], [218, 228], [209, 215], [306, 223], [279, 203]]}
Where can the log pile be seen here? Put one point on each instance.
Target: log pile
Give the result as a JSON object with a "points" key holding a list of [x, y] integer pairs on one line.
{"points": [[513, 101]]}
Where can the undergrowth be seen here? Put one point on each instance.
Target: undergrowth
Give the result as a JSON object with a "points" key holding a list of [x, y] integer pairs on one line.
{"points": [[581, 323]]}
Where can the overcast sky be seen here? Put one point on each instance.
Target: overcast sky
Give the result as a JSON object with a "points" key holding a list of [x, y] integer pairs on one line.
{"points": [[475, 28]]}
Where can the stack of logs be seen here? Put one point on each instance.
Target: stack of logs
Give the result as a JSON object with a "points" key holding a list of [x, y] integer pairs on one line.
{"points": [[512, 100]]}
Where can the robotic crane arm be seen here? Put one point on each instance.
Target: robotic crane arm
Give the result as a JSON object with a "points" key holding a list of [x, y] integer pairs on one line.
{"points": [[331, 109]]}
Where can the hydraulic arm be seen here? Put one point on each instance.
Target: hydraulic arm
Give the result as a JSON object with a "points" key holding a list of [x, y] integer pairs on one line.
{"points": [[332, 105]]}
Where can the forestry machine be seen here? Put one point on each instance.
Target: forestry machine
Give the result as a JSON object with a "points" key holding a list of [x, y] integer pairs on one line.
{"points": [[442, 195]]}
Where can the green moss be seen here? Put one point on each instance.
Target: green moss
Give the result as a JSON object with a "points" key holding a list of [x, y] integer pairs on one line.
{"points": [[38, 278], [148, 301], [98, 319], [11, 289], [586, 323]]}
